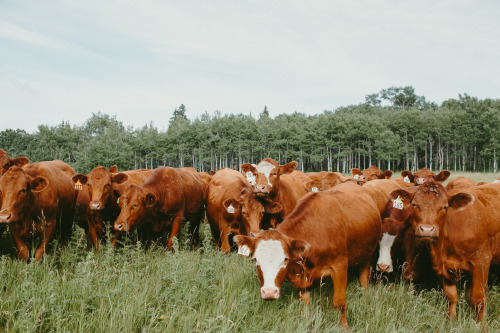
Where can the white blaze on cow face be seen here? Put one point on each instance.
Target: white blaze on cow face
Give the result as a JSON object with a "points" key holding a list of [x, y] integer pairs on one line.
{"points": [[251, 178], [384, 262], [271, 258], [266, 168]]}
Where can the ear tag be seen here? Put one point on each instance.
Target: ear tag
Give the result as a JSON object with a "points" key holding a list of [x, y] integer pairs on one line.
{"points": [[78, 185], [244, 250], [406, 179], [398, 203], [250, 177], [356, 177], [230, 209], [118, 201], [315, 189]]}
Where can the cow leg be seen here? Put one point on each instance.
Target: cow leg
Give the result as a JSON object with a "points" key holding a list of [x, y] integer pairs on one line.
{"points": [[478, 290], [94, 238], [224, 239], [450, 290], [23, 251], [176, 228], [46, 235], [339, 278], [115, 238], [364, 274]]}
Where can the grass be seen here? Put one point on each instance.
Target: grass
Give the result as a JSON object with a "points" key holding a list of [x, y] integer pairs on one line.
{"points": [[132, 289]]}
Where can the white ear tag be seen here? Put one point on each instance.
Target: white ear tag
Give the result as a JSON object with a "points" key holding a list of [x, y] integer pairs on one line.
{"points": [[230, 209], [406, 179], [315, 189], [398, 203], [244, 250], [118, 201], [356, 176]]}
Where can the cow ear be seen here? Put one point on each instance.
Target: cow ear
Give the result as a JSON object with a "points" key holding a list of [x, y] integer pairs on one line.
{"points": [[386, 174], [38, 184], [150, 199], [246, 244], [273, 207], [481, 183], [405, 196], [299, 247], [80, 177], [231, 206], [19, 161], [460, 200], [212, 172], [442, 176], [288, 168], [355, 171], [247, 167], [313, 185], [407, 173], [113, 169], [119, 178]]}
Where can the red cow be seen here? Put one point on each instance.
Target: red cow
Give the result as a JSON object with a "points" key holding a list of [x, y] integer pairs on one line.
{"points": [[160, 205], [324, 180], [270, 182], [324, 235], [462, 182], [369, 174], [37, 200], [102, 186], [233, 209], [462, 232]]}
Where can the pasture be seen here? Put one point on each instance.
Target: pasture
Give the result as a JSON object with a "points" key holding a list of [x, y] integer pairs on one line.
{"points": [[131, 289]]}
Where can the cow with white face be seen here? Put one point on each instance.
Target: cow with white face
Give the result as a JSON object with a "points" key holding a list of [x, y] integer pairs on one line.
{"points": [[326, 233]]}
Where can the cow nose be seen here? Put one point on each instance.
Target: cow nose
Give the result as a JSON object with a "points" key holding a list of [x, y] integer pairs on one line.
{"points": [[118, 227], [4, 218], [427, 231], [260, 188], [420, 181], [95, 205], [384, 268], [270, 293]]}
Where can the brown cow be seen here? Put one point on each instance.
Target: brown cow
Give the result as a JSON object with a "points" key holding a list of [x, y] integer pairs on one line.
{"points": [[369, 174], [102, 186], [462, 182], [160, 205], [324, 180], [462, 232], [37, 200], [270, 181], [233, 209], [324, 235], [424, 176]]}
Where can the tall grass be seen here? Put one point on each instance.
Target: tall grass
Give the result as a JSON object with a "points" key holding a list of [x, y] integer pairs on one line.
{"points": [[132, 289]]}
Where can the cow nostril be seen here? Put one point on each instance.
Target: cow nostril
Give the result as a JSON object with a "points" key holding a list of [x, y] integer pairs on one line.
{"points": [[383, 268]]}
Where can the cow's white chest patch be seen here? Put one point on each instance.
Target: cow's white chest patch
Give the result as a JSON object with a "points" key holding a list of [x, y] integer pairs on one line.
{"points": [[270, 256], [385, 250], [266, 168]]}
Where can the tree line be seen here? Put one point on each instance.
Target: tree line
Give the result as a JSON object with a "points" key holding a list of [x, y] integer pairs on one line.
{"points": [[393, 129]]}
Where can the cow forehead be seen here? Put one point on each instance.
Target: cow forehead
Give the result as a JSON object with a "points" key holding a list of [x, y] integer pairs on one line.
{"points": [[265, 168], [14, 177], [269, 252]]}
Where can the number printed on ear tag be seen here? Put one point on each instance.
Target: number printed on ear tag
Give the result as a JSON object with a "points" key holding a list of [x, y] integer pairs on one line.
{"points": [[78, 186], [398, 203], [406, 179], [244, 250], [356, 176]]}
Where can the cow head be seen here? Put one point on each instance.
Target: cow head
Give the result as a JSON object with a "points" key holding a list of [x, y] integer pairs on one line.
{"points": [[265, 176], [16, 188], [136, 204], [274, 254], [424, 176], [99, 184], [369, 174], [6, 162], [329, 180], [429, 206]]}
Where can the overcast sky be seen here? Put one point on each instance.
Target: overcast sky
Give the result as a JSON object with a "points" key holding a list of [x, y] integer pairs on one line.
{"points": [[139, 60]]}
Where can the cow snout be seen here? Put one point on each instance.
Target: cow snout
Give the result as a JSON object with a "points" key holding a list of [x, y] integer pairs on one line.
{"points": [[384, 268], [420, 181], [95, 206], [261, 190], [5, 218], [427, 231], [270, 293], [119, 227]]}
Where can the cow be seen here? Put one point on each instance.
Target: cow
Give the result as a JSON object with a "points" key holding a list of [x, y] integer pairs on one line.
{"points": [[462, 182], [425, 175], [161, 204], [37, 200], [324, 180], [461, 229], [326, 233], [369, 174], [99, 189], [205, 180], [271, 182], [6, 162], [232, 208]]}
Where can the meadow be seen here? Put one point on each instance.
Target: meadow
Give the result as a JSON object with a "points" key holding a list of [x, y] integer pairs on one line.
{"points": [[133, 289]]}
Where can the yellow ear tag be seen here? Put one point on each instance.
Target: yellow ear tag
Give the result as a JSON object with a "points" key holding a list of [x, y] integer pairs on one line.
{"points": [[78, 186]]}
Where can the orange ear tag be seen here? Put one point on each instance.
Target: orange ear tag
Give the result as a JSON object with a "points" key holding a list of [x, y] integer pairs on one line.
{"points": [[78, 186]]}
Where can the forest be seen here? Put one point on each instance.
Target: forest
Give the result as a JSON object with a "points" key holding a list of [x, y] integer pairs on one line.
{"points": [[393, 129]]}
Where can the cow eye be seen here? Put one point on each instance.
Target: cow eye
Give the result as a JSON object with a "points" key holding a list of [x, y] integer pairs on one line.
{"points": [[22, 191], [286, 261], [108, 185]]}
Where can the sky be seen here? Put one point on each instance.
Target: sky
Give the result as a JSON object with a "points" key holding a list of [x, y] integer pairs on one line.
{"points": [[139, 60]]}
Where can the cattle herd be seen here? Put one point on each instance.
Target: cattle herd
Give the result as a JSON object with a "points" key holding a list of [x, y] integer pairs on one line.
{"points": [[297, 226]]}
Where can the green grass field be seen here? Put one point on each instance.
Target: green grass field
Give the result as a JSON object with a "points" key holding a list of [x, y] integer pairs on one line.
{"points": [[131, 289]]}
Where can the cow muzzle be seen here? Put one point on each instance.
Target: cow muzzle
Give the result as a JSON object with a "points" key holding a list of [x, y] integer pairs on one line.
{"points": [[420, 181], [261, 190], [427, 231], [96, 206], [270, 293], [384, 268], [5, 217], [123, 227]]}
